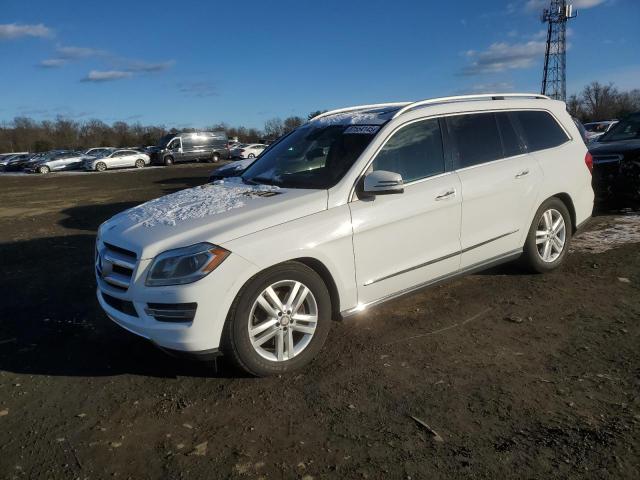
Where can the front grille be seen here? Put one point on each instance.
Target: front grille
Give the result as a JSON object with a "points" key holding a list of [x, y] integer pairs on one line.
{"points": [[123, 306], [115, 265]]}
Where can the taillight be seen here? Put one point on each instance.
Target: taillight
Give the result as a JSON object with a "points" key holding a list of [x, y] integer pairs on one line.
{"points": [[588, 160]]}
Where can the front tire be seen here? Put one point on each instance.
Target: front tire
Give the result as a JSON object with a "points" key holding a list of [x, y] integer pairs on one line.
{"points": [[279, 320], [101, 166], [549, 237], [139, 163], [43, 169], [168, 160], [215, 158]]}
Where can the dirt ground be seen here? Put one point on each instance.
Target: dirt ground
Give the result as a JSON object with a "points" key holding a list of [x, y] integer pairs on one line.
{"points": [[511, 375]]}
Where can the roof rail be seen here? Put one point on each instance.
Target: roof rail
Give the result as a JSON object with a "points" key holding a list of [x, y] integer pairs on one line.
{"points": [[462, 98], [359, 107]]}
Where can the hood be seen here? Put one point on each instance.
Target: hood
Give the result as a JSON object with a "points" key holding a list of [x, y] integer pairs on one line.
{"points": [[622, 146], [238, 166], [216, 213]]}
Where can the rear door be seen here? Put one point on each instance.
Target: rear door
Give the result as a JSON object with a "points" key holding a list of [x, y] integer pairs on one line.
{"points": [[499, 185], [404, 240]]}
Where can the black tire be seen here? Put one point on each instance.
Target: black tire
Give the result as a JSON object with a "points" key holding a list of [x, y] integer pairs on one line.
{"points": [[168, 160], [139, 163], [251, 155], [43, 169], [101, 166], [532, 258], [215, 158], [236, 340]]}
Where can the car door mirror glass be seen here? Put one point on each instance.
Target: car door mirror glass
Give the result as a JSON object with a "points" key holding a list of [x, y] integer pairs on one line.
{"points": [[382, 182]]}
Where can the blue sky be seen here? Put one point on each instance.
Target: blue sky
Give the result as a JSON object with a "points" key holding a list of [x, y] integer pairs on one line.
{"points": [[196, 63]]}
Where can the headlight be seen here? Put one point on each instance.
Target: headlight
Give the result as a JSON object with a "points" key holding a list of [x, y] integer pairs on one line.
{"points": [[185, 265]]}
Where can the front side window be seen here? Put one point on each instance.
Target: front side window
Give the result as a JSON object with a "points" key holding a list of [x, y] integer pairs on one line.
{"points": [[174, 145], [540, 130], [476, 138], [312, 156], [414, 151]]}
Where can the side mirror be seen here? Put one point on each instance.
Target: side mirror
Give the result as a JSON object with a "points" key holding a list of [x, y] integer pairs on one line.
{"points": [[381, 182]]}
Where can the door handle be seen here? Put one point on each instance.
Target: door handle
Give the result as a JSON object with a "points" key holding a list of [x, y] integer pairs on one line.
{"points": [[522, 173], [448, 194]]}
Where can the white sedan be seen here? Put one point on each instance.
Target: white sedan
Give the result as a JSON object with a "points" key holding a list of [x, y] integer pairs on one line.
{"points": [[117, 159], [251, 150]]}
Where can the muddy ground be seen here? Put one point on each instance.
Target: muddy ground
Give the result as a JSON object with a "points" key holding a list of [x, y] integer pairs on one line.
{"points": [[516, 375]]}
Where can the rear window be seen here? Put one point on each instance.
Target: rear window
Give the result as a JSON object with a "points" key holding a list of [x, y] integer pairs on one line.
{"points": [[476, 138], [540, 130]]}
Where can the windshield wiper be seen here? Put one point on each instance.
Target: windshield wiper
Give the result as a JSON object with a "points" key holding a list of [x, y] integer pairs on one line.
{"points": [[261, 180]]}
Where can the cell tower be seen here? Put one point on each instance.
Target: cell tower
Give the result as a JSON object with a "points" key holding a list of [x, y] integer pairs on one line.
{"points": [[554, 77]]}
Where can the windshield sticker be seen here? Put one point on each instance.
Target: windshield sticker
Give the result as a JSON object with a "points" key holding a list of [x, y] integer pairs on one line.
{"points": [[362, 129]]}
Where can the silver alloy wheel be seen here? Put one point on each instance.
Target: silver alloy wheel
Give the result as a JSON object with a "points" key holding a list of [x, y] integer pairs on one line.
{"points": [[44, 169], [551, 235], [139, 163], [101, 166], [283, 320]]}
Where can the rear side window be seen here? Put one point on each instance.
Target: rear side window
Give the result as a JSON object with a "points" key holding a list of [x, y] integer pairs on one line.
{"points": [[540, 130], [414, 151], [476, 138], [511, 142]]}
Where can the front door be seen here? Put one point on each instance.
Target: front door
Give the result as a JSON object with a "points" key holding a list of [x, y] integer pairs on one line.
{"points": [[404, 240]]}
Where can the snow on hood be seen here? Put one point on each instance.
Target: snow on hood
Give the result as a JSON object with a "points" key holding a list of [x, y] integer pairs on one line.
{"points": [[195, 202]]}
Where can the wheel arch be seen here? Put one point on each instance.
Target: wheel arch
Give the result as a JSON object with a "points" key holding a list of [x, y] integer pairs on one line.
{"points": [[324, 273], [568, 202]]}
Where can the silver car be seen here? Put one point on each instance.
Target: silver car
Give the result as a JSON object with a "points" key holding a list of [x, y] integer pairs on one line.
{"points": [[121, 158], [57, 162]]}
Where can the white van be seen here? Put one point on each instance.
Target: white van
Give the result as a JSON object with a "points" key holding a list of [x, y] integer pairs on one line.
{"points": [[356, 207]]}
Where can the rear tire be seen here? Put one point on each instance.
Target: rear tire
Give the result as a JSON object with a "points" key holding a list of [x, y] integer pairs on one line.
{"points": [[296, 327], [101, 166], [168, 160], [251, 155], [43, 169], [215, 158], [549, 237]]}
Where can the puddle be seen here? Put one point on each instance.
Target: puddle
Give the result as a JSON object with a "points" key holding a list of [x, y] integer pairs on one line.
{"points": [[625, 230]]}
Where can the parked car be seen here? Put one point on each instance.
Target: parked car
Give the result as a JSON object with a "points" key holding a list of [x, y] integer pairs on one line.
{"points": [[234, 169], [616, 162], [186, 147], [234, 151], [595, 130], [56, 162], [8, 159], [407, 195], [94, 152], [120, 158], [251, 150], [17, 165]]}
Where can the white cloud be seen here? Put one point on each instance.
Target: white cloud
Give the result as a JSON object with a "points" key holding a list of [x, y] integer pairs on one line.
{"points": [[495, 87], [502, 56], [10, 31], [147, 67], [53, 63], [106, 75], [69, 52]]}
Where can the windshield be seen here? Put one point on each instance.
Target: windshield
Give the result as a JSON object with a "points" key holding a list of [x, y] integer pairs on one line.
{"points": [[164, 140], [311, 156], [627, 129]]}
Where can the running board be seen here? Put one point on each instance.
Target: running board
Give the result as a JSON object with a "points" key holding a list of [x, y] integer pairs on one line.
{"points": [[492, 262]]}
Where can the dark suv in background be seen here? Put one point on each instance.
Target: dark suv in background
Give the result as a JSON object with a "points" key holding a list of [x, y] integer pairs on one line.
{"points": [[616, 162], [191, 146]]}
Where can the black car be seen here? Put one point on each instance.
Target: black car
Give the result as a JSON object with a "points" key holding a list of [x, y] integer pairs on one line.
{"points": [[188, 147], [616, 161]]}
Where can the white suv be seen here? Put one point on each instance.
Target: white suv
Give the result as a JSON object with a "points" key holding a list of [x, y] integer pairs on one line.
{"points": [[356, 207]]}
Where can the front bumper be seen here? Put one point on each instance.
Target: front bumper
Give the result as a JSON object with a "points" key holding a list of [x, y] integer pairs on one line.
{"points": [[199, 337]]}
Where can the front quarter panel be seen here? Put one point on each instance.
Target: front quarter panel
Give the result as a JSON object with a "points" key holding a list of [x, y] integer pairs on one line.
{"points": [[325, 236]]}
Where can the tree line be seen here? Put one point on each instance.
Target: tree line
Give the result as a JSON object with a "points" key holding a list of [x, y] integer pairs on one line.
{"points": [[595, 102], [27, 134], [603, 102]]}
